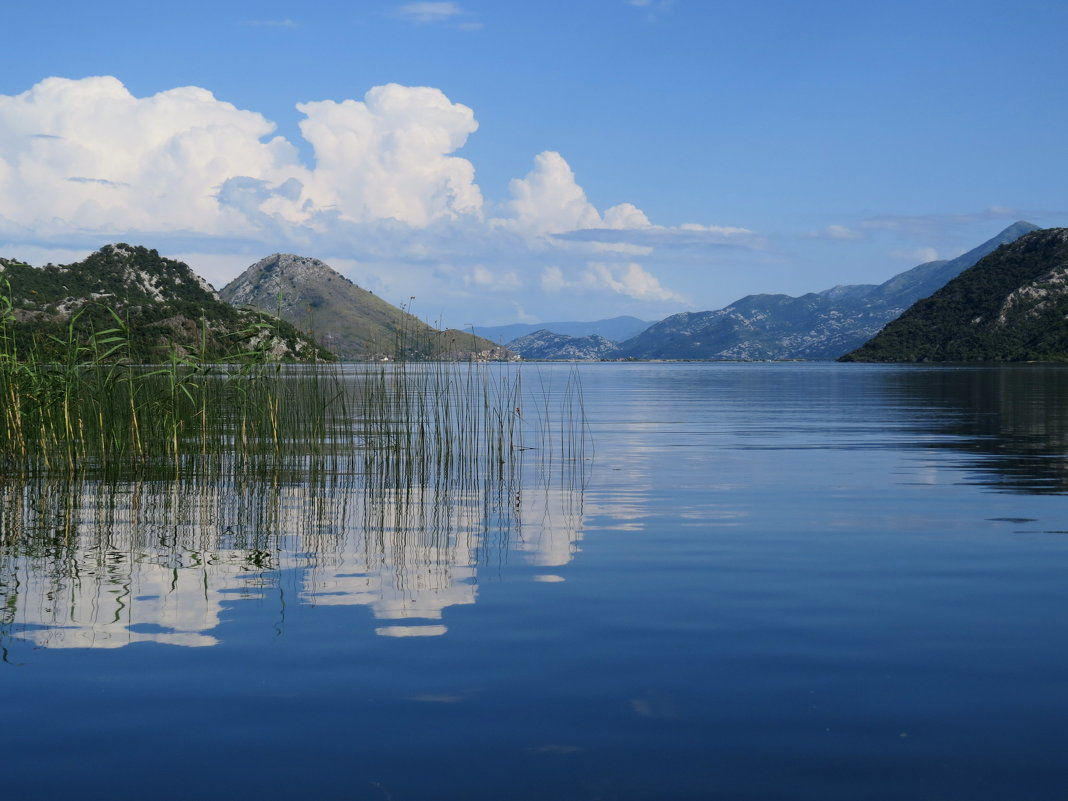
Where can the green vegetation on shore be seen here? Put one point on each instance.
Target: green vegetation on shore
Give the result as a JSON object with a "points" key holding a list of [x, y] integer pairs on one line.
{"points": [[83, 398], [81, 403], [162, 303]]}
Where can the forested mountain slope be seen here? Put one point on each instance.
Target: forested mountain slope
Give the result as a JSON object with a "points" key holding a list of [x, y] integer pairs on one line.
{"points": [[1011, 306]]}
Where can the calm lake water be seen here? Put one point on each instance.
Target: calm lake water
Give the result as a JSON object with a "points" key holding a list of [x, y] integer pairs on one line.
{"points": [[764, 581]]}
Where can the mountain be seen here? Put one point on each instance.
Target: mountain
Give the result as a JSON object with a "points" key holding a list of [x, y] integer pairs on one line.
{"points": [[162, 302], [616, 329], [550, 346], [1011, 306], [818, 325], [906, 288], [350, 321]]}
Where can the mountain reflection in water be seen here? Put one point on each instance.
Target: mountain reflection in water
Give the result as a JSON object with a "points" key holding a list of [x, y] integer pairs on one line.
{"points": [[1010, 422], [96, 564]]}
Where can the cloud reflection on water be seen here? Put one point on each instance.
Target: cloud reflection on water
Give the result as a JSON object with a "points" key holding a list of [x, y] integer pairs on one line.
{"points": [[102, 565]]}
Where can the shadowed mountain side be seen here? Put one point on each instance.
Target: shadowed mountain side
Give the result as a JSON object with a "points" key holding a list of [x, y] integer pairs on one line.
{"points": [[818, 325], [350, 321], [1011, 306]]}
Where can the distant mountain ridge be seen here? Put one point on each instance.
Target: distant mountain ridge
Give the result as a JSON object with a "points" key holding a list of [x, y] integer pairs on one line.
{"points": [[348, 320], [163, 303], [1011, 306], [547, 345], [818, 325], [615, 329]]}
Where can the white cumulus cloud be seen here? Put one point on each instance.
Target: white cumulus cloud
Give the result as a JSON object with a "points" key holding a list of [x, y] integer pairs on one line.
{"points": [[88, 155], [85, 162], [625, 215], [628, 279], [389, 156], [549, 199]]}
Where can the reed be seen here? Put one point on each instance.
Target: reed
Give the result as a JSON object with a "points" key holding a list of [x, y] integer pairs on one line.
{"points": [[96, 412]]}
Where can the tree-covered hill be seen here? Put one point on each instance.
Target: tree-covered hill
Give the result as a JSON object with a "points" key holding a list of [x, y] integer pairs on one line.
{"points": [[162, 303], [1011, 306]]}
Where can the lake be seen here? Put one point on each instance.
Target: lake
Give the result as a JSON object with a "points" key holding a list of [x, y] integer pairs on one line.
{"points": [[748, 581]]}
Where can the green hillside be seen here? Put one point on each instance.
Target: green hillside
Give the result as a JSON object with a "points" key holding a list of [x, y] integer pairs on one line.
{"points": [[161, 302], [1011, 306]]}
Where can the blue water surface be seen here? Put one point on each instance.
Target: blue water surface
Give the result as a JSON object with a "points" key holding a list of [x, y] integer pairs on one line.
{"points": [[759, 581]]}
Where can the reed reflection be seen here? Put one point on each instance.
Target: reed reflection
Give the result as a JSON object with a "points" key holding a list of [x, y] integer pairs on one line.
{"points": [[103, 564]]}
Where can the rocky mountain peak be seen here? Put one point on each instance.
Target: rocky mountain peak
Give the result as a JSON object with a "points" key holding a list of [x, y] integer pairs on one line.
{"points": [[278, 273], [347, 320]]}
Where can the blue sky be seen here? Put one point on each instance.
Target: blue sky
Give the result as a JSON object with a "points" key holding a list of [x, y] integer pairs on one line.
{"points": [[506, 161]]}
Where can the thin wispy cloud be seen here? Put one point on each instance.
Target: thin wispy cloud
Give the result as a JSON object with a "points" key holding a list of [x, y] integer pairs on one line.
{"points": [[924, 224], [654, 8], [918, 225], [902, 239], [431, 12], [269, 23], [840, 232], [921, 255], [98, 181]]}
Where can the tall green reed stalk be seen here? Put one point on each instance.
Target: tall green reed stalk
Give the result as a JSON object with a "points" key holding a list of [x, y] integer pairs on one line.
{"points": [[95, 411]]}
